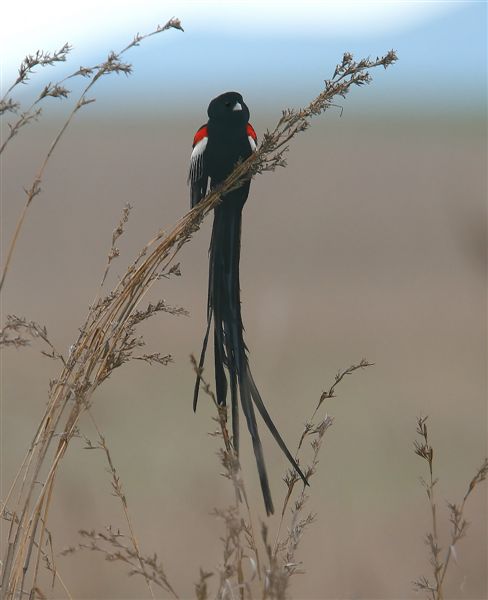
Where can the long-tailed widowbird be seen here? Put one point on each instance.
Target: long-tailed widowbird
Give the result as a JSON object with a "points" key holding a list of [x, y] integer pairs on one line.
{"points": [[218, 145]]}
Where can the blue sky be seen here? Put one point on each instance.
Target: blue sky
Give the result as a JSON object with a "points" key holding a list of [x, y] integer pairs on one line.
{"points": [[274, 52]]}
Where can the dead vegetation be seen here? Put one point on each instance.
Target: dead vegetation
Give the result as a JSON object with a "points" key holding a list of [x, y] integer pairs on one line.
{"points": [[254, 560]]}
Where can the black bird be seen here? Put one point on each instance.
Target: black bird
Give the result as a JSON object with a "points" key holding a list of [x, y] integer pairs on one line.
{"points": [[218, 145]]}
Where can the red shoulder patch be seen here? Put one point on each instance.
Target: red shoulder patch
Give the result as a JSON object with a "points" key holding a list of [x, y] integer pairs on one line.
{"points": [[200, 134], [251, 132]]}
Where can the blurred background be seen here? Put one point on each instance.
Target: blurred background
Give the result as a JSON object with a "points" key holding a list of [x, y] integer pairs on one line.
{"points": [[371, 243]]}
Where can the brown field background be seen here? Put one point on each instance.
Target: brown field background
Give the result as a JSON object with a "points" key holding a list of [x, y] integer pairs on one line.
{"points": [[372, 243]]}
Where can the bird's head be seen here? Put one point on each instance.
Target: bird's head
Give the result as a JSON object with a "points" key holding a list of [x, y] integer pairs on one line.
{"points": [[229, 108]]}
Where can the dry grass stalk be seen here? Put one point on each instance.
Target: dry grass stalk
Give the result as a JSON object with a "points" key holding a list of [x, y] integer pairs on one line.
{"points": [[318, 430], [107, 338], [113, 64], [118, 548], [236, 527], [26, 68], [47, 557], [282, 561], [272, 576], [459, 525], [201, 587], [118, 492], [110, 543]]}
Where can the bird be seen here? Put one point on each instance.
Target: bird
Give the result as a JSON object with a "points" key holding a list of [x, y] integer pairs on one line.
{"points": [[218, 146]]}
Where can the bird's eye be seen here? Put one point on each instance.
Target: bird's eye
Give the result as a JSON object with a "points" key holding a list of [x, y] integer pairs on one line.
{"points": [[227, 104]]}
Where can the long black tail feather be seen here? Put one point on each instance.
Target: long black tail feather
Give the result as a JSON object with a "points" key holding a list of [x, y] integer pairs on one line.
{"points": [[224, 308]]}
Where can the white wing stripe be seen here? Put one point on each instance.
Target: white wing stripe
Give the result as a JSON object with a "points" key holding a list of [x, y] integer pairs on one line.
{"points": [[252, 142], [196, 161]]}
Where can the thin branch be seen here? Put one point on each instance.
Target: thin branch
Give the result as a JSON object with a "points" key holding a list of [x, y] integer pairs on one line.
{"points": [[459, 525], [312, 429], [113, 64], [117, 489], [27, 66]]}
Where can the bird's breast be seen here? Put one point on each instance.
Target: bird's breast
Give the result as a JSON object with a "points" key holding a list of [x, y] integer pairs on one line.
{"points": [[224, 150]]}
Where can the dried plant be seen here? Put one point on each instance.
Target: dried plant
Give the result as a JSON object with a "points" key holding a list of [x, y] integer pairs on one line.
{"points": [[118, 492], [16, 328], [39, 59], [108, 338], [282, 561], [439, 561], [270, 576], [113, 64], [116, 547], [8, 104], [201, 588]]}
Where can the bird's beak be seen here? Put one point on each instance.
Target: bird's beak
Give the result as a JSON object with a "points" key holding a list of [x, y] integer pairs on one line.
{"points": [[237, 106]]}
